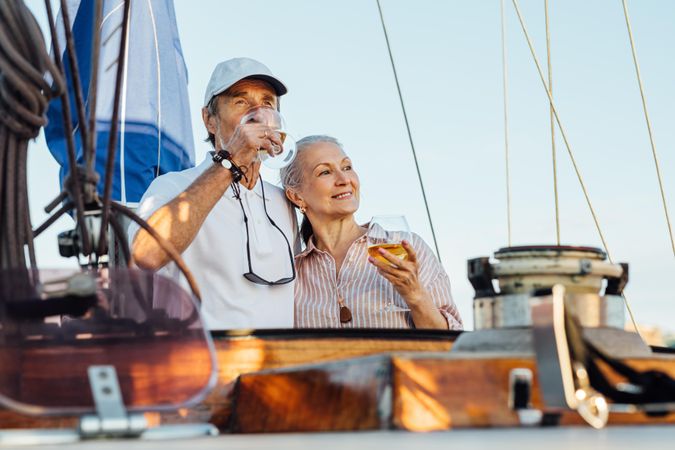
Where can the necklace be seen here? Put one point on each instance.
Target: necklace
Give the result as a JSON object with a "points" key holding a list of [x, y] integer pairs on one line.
{"points": [[345, 313]]}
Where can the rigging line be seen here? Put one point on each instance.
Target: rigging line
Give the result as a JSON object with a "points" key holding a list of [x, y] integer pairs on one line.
{"points": [[571, 155], [112, 138], [562, 130], [506, 123], [159, 89], [93, 84], [76, 81], [407, 126], [649, 125], [552, 120], [76, 191], [123, 114]]}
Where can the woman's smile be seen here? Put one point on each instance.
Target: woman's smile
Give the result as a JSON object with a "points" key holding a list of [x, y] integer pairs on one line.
{"points": [[343, 196]]}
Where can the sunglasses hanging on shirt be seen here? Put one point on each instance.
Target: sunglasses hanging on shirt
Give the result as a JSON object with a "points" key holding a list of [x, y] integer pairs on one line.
{"points": [[251, 275]]}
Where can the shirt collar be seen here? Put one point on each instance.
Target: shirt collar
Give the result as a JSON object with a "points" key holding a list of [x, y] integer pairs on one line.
{"points": [[311, 247]]}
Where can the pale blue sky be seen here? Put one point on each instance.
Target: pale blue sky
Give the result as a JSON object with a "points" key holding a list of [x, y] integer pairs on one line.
{"points": [[333, 58]]}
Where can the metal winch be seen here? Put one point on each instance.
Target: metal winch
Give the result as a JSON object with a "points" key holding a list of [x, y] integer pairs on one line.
{"points": [[506, 286]]}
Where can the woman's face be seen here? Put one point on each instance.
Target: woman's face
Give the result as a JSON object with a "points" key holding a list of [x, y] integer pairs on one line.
{"points": [[330, 186]]}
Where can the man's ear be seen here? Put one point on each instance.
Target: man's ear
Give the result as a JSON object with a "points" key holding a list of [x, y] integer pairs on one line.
{"points": [[209, 121], [293, 197]]}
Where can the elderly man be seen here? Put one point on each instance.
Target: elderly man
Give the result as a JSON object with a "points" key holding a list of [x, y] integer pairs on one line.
{"points": [[233, 230]]}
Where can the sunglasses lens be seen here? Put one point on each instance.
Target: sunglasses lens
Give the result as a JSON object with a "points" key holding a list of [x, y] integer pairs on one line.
{"points": [[253, 278]]}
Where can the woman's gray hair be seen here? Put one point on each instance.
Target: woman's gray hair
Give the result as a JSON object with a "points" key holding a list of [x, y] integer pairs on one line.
{"points": [[291, 175]]}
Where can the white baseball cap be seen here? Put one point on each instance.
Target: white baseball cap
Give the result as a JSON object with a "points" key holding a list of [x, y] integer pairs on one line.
{"points": [[229, 72]]}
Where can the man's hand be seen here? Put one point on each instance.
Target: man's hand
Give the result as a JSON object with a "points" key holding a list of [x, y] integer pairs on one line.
{"points": [[247, 140]]}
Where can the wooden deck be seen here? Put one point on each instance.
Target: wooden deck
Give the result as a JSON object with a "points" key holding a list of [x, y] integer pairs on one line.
{"points": [[364, 380]]}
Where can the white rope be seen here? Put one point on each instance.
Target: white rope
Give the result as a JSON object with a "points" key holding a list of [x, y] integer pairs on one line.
{"points": [[571, 155], [552, 118], [649, 126], [506, 124], [159, 89]]}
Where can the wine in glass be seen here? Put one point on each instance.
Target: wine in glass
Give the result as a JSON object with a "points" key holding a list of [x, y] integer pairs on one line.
{"points": [[282, 155], [387, 233]]}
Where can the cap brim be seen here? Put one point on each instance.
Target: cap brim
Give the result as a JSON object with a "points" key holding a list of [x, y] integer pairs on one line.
{"points": [[278, 86]]}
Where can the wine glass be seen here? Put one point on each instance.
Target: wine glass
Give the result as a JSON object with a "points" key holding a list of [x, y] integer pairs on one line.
{"points": [[388, 233], [283, 155]]}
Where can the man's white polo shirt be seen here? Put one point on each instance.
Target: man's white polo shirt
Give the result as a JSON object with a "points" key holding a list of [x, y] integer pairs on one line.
{"points": [[217, 256]]}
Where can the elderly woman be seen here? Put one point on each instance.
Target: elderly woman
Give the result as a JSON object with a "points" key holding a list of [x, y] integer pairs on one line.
{"points": [[338, 284]]}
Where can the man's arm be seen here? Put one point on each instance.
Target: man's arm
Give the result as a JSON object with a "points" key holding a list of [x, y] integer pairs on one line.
{"points": [[179, 220]]}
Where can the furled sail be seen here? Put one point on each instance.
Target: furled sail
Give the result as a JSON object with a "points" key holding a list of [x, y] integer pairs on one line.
{"points": [[154, 130]]}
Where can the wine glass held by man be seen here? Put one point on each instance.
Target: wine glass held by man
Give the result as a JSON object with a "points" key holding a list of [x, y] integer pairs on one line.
{"points": [[280, 155], [338, 284]]}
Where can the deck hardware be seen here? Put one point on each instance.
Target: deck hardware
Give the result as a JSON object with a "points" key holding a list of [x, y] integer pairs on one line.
{"points": [[520, 396], [111, 418]]}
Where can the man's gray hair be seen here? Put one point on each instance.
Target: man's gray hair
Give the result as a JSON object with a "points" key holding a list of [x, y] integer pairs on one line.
{"points": [[291, 175], [212, 110]]}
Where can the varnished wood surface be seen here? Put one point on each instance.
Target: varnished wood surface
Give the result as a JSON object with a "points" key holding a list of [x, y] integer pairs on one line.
{"points": [[338, 396], [326, 382], [277, 349], [427, 393], [237, 353]]}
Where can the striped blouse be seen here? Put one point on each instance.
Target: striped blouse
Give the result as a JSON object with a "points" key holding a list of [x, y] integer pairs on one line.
{"points": [[363, 290]]}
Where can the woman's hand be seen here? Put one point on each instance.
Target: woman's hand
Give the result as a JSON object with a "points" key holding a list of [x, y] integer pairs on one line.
{"points": [[403, 274]]}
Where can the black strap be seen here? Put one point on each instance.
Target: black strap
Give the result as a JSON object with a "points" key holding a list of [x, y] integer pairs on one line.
{"points": [[237, 173]]}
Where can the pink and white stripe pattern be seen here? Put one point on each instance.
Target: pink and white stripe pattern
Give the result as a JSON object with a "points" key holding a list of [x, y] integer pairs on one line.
{"points": [[365, 292]]}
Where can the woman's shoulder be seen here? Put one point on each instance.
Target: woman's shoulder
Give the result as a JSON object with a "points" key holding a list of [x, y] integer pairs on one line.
{"points": [[418, 241]]}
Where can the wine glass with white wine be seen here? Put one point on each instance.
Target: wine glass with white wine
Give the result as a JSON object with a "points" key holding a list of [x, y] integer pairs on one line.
{"points": [[388, 233], [284, 154]]}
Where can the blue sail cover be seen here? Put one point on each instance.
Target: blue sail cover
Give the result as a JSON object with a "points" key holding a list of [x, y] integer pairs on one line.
{"points": [[155, 130]]}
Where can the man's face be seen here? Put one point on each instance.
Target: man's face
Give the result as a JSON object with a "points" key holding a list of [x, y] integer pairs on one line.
{"points": [[233, 105]]}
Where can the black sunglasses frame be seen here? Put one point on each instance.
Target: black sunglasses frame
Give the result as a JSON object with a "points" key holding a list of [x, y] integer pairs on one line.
{"points": [[250, 275]]}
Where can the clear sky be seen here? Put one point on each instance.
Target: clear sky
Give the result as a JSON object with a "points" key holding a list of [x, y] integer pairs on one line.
{"points": [[333, 57]]}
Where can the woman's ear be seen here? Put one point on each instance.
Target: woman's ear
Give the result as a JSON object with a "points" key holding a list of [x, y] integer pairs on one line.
{"points": [[294, 198]]}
